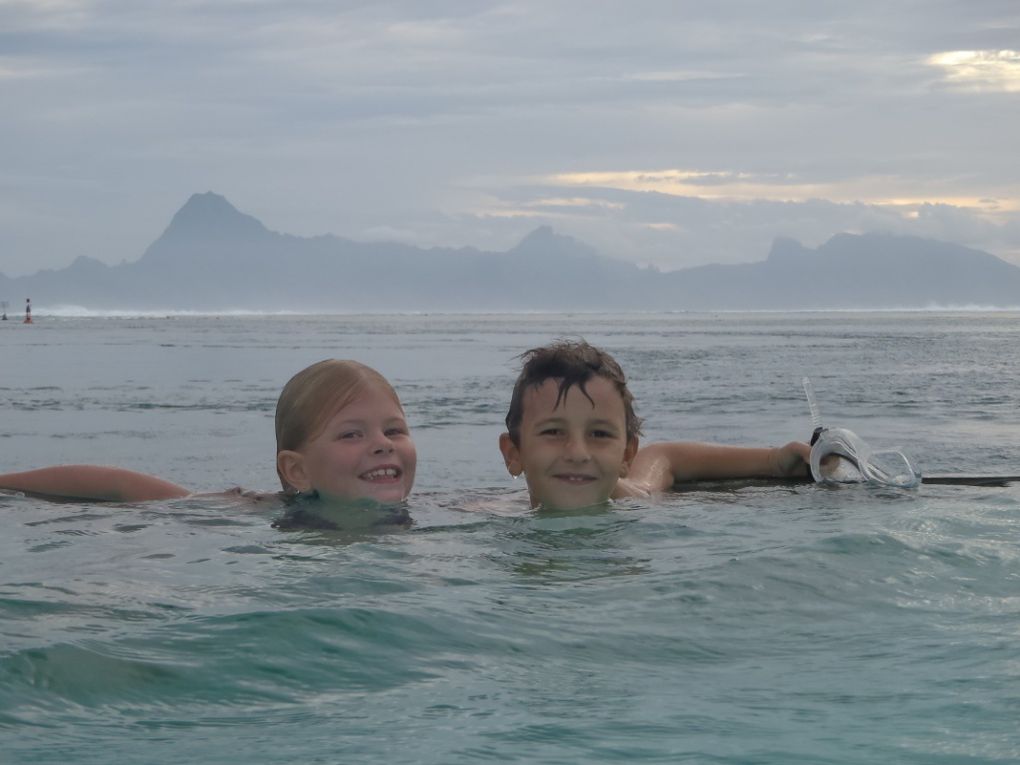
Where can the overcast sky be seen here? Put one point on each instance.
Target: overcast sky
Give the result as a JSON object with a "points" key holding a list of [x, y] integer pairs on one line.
{"points": [[665, 132]]}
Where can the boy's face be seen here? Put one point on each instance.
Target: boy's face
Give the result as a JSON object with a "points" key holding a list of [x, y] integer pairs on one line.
{"points": [[572, 455]]}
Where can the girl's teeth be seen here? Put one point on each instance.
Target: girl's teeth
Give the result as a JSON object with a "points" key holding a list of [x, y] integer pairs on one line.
{"points": [[381, 473]]}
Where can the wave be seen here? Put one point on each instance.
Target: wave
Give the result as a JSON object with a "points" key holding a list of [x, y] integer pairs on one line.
{"points": [[81, 312]]}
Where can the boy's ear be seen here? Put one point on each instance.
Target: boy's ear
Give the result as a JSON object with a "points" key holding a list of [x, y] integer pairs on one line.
{"points": [[628, 456], [511, 454], [291, 466]]}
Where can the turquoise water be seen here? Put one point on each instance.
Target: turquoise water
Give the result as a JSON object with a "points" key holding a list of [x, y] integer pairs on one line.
{"points": [[740, 623]]}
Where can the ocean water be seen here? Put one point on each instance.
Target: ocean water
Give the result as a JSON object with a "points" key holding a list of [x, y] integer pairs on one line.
{"points": [[727, 623]]}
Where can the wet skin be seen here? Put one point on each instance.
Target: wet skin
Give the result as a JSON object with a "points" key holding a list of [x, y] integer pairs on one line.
{"points": [[572, 453], [364, 451]]}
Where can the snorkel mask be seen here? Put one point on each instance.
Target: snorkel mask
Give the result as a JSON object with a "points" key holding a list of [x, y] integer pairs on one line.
{"points": [[839, 456]]}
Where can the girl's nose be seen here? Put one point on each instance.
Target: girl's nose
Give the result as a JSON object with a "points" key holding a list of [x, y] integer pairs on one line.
{"points": [[383, 445]]}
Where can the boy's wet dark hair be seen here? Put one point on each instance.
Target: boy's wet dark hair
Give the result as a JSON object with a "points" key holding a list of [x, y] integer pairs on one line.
{"points": [[572, 362]]}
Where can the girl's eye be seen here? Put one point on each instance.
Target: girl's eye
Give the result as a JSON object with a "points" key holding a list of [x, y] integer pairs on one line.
{"points": [[396, 431], [601, 434], [348, 434]]}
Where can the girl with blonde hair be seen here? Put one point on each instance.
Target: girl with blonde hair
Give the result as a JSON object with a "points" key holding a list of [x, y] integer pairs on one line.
{"points": [[341, 436]]}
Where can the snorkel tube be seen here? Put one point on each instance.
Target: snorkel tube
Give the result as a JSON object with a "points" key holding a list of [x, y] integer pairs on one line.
{"points": [[840, 456]]}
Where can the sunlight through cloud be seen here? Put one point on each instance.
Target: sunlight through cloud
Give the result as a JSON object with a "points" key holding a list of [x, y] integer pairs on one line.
{"points": [[703, 184], [726, 186], [575, 202], [981, 69]]}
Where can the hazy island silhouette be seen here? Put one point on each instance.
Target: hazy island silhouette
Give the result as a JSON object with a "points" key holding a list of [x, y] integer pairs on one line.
{"points": [[213, 257]]}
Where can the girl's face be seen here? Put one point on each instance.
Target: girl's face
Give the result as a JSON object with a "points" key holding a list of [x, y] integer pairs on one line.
{"points": [[364, 451]]}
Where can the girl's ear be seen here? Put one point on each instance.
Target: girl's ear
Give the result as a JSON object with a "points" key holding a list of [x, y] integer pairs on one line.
{"points": [[291, 467], [511, 455], [628, 456]]}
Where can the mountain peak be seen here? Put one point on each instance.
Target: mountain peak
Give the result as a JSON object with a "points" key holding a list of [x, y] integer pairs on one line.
{"points": [[209, 201], [785, 250], [211, 215], [540, 233], [205, 221], [544, 235], [544, 240]]}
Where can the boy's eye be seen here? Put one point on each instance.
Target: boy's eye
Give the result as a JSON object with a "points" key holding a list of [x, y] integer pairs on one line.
{"points": [[602, 434], [551, 432]]}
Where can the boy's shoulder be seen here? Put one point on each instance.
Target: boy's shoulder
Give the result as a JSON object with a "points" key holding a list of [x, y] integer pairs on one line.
{"points": [[627, 487]]}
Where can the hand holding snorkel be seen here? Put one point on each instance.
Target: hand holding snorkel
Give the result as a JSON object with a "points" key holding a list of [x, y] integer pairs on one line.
{"points": [[839, 456]]}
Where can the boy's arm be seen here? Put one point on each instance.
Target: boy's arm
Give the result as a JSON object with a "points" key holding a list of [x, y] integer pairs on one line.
{"points": [[658, 466], [92, 482]]}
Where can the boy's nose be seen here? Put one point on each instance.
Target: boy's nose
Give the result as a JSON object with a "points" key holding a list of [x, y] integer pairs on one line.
{"points": [[576, 450]]}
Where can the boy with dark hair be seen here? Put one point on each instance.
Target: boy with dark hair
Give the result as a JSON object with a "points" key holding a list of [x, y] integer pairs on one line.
{"points": [[573, 433]]}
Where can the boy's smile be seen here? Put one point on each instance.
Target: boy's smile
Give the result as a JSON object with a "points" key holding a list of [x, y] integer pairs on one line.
{"points": [[574, 453]]}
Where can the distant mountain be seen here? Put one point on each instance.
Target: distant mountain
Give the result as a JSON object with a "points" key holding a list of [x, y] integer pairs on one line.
{"points": [[213, 257], [853, 271]]}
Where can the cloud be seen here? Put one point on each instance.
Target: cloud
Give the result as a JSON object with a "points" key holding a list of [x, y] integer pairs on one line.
{"points": [[673, 231], [723, 185], [47, 8], [980, 70], [706, 184], [677, 135], [21, 69]]}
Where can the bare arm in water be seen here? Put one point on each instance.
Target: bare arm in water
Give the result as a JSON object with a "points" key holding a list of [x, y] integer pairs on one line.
{"points": [[96, 482], [658, 467]]}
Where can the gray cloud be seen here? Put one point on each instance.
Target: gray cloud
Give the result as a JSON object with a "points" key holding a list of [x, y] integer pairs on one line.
{"points": [[424, 118]]}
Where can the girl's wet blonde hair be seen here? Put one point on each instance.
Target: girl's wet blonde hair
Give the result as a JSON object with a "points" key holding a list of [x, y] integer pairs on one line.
{"points": [[314, 395]]}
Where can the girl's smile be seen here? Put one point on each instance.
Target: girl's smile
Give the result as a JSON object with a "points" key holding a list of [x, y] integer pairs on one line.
{"points": [[364, 450]]}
